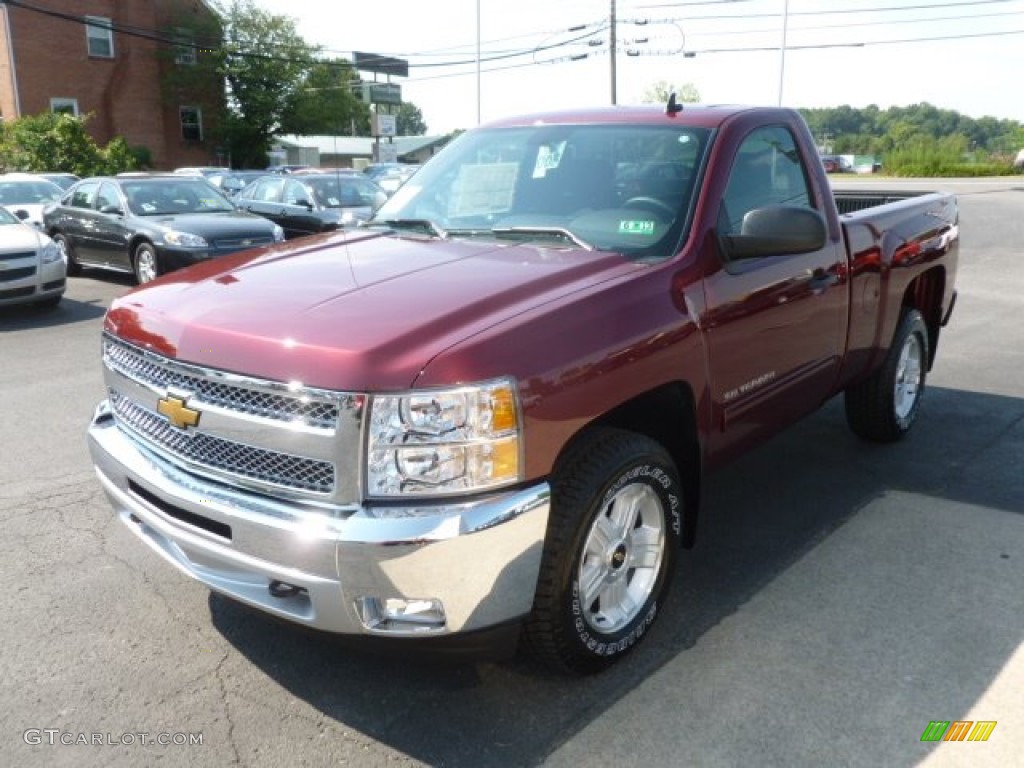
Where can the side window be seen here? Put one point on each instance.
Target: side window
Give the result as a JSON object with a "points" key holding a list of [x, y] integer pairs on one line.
{"points": [[191, 123], [768, 170], [83, 195], [64, 106], [294, 192], [269, 190], [107, 196], [99, 37]]}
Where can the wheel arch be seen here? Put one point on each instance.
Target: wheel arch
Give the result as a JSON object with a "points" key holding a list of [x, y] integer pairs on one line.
{"points": [[924, 293], [135, 242], [668, 415]]}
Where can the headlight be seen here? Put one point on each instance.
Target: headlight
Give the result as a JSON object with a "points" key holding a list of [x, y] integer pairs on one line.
{"points": [[278, 234], [49, 253], [450, 441], [186, 239]]}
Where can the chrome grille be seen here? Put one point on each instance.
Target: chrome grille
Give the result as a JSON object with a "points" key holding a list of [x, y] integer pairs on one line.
{"points": [[162, 375], [224, 456], [238, 243]]}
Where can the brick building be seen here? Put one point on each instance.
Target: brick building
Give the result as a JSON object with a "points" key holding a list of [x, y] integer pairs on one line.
{"points": [[149, 92]]}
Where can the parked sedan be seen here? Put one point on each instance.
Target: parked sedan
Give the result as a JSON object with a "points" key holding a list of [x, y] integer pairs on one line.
{"points": [[62, 180], [31, 266], [233, 182], [25, 195], [150, 225], [312, 202], [390, 176]]}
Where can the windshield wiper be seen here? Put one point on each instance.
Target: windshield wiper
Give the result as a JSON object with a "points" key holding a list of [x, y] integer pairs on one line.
{"points": [[423, 224], [561, 232]]}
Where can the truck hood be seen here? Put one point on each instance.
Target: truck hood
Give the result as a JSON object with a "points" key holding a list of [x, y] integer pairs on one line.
{"points": [[353, 311]]}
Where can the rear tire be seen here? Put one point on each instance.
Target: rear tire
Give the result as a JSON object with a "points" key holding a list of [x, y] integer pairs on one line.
{"points": [[611, 546], [884, 406]]}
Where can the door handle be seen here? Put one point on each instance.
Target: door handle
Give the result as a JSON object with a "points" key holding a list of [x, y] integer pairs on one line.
{"points": [[822, 279]]}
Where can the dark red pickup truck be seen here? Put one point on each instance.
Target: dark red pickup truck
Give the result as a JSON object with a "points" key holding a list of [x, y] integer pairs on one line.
{"points": [[487, 414]]}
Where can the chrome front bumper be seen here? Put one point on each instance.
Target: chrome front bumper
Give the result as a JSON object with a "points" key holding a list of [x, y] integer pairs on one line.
{"points": [[479, 560]]}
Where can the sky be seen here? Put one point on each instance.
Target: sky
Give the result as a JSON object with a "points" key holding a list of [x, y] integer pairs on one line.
{"points": [[536, 55]]}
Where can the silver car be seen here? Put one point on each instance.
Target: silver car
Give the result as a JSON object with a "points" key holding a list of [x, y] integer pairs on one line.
{"points": [[32, 268]]}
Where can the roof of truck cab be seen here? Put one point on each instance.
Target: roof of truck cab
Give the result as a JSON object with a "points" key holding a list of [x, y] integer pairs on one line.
{"points": [[703, 115]]}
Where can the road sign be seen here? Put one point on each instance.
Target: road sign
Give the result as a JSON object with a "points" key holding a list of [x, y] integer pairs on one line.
{"points": [[382, 93], [384, 65]]}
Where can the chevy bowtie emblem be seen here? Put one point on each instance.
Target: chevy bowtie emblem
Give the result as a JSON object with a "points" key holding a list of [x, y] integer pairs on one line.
{"points": [[177, 412]]}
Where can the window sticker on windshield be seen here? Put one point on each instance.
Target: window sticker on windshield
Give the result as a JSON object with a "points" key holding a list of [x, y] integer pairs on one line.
{"points": [[148, 207], [636, 227], [483, 188], [333, 201]]}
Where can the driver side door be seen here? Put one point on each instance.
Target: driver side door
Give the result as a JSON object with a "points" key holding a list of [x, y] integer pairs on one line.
{"points": [[775, 324]]}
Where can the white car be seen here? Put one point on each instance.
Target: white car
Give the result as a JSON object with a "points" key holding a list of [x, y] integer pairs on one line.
{"points": [[25, 194], [32, 268]]}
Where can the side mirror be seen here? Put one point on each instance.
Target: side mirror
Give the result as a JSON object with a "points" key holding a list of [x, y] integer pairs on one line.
{"points": [[111, 209], [304, 204], [21, 213], [777, 230]]}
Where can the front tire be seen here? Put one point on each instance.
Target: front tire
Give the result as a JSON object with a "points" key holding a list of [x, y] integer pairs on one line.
{"points": [[611, 546], [146, 264], [49, 303], [61, 241], [884, 406]]}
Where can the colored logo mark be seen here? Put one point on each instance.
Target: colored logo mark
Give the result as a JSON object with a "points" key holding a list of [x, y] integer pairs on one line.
{"points": [[958, 730]]}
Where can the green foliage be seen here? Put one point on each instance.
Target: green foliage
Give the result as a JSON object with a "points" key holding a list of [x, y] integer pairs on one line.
{"points": [[264, 62], [54, 141], [409, 120], [143, 156], [326, 103], [658, 92], [919, 140], [117, 156]]}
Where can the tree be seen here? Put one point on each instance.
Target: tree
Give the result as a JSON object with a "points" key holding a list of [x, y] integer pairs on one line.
{"points": [[658, 92], [54, 141], [409, 120], [264, 62], [326, 103]]}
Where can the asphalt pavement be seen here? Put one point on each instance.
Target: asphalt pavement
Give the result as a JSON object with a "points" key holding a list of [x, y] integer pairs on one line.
{"points": [[841, 597]]}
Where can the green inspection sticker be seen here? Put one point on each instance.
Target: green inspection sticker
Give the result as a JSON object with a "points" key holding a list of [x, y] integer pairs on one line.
{"points": [[636, 227]]}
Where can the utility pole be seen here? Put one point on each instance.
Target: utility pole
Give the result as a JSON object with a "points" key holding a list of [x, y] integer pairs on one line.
{"points": [[478, 62], [782, 59], [611, 50]]}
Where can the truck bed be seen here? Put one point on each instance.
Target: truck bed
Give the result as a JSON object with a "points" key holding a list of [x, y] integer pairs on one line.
{"points": [[849, 201]]}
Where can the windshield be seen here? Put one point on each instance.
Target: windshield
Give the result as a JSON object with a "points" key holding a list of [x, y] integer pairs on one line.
{"points": [[624, 188], [28, 192], [162, 197], [345, 191]]}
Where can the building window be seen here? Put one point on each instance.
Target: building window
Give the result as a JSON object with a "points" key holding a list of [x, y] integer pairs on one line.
{"points": [[185, 50], [99, 37], [191, 123], [64, 106]]}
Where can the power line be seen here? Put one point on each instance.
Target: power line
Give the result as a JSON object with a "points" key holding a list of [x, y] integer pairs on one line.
{"points": [[847, 25]]}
